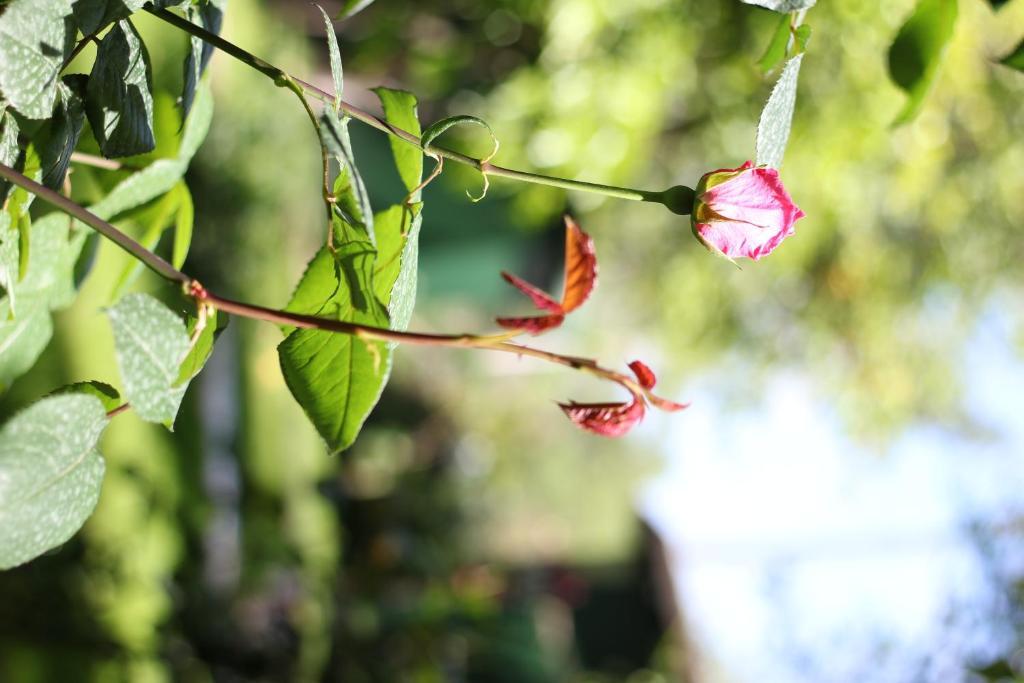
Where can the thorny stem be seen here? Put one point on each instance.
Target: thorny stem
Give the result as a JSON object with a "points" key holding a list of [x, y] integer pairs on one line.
{"points": [[482, 165], [192, 288]]}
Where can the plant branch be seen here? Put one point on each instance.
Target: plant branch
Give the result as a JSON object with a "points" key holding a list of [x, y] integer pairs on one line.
{"points": [[151, 260], [498, 342], [280, 77]]}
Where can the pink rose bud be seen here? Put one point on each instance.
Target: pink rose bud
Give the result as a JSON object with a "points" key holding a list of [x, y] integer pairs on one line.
{"points": [[743, 211]]}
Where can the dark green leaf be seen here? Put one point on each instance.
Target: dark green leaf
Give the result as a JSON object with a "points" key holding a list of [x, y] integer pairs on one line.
{"points": [[337, 378], [915, 55], [400, 110], [61, 133], [1015, 59], [210, 16], [106, 394], [35, 38], [777, 116], [50, 474], [782, 5], [120, 103], [92, 15], [776, 50], [151, 343], [335, 54]]}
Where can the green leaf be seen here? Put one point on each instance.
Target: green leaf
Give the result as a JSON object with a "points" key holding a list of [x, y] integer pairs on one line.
{"points": [[35, 38], [50, 474], [119, 99], [917, 52], [92, 15], [337, 378], [776, 50], [782, 5], [149, 222], [334, 132], [1015, 59], [350, 7], [394, 278], [151, 343], [22, 339], [203, 346], [400, 110], [332, 47], [803, 36], [777, 116], [436, 129], [61, 133], [183, 223], [161, 175], [106, 394], [9, 150]]}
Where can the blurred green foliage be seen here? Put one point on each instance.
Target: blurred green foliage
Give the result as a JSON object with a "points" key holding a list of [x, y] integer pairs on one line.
{"points": [[236, 550]]}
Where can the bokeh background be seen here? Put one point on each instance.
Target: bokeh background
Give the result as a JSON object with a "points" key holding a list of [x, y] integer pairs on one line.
{"points": [[841, 503]]}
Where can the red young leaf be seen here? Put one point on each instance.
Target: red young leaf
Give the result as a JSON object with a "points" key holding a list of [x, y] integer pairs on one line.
{"points": [[580, 266], [539, 297], [533, 325], [665, 404], [644, 375], [580, 277], [606, 419]]}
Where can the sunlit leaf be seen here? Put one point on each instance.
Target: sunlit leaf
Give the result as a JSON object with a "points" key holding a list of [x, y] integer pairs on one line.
{"points": [[917, 51], [35, 38], [435, 130], [50, 474], [119, 102], [183, 223], [151, 343], [394, 279], [777, 116], [400, 111], [337, 378]]}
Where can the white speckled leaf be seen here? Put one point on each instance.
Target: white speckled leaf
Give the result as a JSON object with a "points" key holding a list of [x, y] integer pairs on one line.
{"points": [[92, 15], [50, 474], [782, 5], [35, 37], [777, 116], [335, 55], [151, 342]]}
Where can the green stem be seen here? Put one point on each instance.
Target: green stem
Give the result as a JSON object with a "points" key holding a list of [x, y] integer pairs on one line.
{"points": [[278, 75]]}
